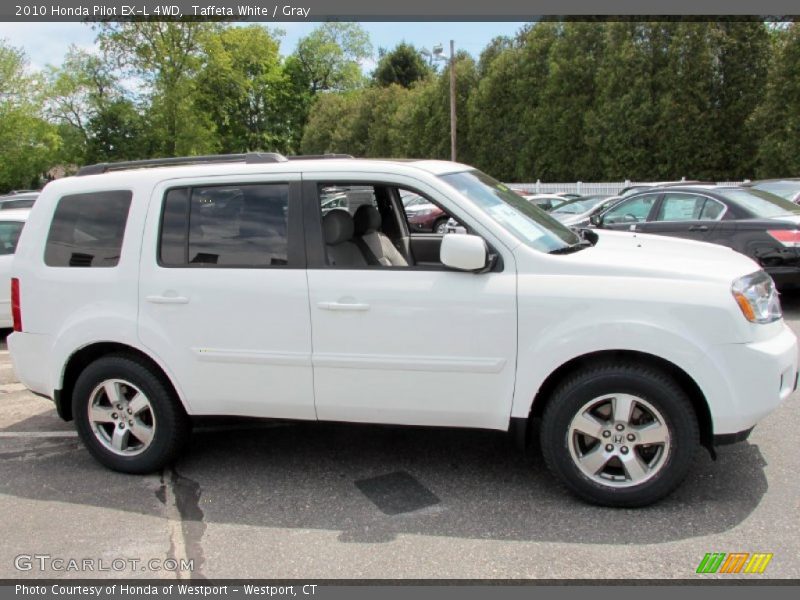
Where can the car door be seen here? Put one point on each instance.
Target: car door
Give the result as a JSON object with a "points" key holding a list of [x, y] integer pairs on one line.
{"points": [[629, 214], [223, 295], [416, 344], [686, 215]]}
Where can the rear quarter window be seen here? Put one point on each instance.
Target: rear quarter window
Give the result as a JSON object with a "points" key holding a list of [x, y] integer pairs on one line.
{"points": [[88, 229]]}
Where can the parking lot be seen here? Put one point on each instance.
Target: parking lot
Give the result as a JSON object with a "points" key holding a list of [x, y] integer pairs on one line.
{"points": [[343, 501]]}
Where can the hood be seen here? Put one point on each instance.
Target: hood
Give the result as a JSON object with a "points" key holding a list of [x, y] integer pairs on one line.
{"points": [[622, 253]]}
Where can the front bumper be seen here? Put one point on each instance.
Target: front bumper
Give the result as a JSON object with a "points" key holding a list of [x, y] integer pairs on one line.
{"points": [[761, 375]]}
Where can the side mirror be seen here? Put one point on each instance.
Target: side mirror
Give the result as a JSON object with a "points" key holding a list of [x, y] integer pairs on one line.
{"points": [[596, 220], [463, 252]]}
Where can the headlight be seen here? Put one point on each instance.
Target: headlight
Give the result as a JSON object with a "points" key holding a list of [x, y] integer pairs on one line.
{"points": [[757, 297], [424, 212]]}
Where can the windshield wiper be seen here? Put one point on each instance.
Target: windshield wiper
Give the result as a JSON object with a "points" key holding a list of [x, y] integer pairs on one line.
{"points": [[587, 238], [579, 245]]}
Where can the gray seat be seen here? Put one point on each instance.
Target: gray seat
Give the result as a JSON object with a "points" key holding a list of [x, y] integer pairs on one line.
{"points": [[367, 223], [337, 228]]}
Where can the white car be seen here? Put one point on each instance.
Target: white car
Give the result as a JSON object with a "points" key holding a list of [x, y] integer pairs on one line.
{"points": [[11, 224], [149, 293]]}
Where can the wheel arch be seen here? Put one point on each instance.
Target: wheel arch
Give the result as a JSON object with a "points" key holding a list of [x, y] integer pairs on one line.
{"points": [[684, 380], [83, 357]]}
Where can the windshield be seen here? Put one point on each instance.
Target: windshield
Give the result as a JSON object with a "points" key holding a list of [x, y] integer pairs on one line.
{"points": [[527, 222], [784, 189], [762, 204]]}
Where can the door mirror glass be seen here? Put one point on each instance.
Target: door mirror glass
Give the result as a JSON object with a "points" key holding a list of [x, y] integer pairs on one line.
{"points": [[596, 220], [463, 252]]}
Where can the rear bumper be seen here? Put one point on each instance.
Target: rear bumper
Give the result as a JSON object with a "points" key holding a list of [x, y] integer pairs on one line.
{"points": [[28, 356]]}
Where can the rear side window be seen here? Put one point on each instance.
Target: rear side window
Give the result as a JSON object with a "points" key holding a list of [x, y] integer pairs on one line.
{"points": [[225, 226], [9, 235], [88, 229]]}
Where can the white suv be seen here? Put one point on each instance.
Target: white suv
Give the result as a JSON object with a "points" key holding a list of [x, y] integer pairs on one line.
{"points": [[147, 293]]}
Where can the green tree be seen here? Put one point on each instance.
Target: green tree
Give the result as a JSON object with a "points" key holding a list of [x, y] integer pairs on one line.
{"points": [[329, 57], [402, 66], [557, 120], [741, 52], [97, 120], [778, 118], [28, 143], [167, 57], [245, 92]]}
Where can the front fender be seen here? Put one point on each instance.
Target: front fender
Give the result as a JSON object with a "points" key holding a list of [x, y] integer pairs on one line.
{"points": [[541, 355]]}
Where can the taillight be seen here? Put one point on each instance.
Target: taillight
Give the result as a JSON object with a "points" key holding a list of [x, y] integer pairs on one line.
{"points": [[16, 313], [788, 237]]}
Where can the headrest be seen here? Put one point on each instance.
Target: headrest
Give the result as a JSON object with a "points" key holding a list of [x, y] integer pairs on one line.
{"points": [[366, 219], [337, 227]]}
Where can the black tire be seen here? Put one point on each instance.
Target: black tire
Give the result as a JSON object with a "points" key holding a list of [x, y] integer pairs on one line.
{"points": [[647, 383], [172, 426], [440, 223]]}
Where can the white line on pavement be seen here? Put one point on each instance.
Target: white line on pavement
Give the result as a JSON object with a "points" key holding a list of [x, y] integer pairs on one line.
{"points": [[38, 434]]}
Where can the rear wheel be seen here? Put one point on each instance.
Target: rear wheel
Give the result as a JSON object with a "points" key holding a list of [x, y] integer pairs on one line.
{"points": [[127, 417], [440, 226], [619, 435]]}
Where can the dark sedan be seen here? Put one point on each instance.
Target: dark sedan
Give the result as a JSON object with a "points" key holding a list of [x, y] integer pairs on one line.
{"points": [[758, 224], [785, 188]]}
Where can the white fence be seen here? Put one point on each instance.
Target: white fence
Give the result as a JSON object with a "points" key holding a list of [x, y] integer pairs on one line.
{"points": [[585, 188]]}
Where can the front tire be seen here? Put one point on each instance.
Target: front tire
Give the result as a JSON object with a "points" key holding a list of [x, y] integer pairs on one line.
{"points": [[127, 416], [440, 226], [619, 435]]}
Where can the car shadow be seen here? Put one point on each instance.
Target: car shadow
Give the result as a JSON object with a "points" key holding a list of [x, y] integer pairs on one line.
{"points": [[312, 475]]}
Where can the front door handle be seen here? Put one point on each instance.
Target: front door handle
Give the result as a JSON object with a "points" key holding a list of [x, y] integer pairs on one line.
{"points": [[343, 306], [167, 299], [698, 228]]}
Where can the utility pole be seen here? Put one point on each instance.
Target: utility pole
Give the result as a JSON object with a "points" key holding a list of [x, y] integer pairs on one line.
{"points": [[452, 101]]}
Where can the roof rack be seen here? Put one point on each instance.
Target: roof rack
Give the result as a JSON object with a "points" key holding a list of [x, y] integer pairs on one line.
{"points": [[318, 156], [248, 158]]}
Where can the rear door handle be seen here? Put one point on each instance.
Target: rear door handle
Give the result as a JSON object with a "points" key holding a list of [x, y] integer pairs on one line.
{"points": [[167, 299], [343, 306], [698, 228]]}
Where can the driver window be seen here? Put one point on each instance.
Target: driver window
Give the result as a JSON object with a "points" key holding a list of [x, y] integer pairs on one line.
{"points": [[634, 210]]}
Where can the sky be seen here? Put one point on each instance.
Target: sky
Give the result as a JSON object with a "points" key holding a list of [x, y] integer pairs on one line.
{"points": [[47, 43]]}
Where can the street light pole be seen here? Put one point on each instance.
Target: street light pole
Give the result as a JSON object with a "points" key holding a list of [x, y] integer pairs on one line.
{"points": [[452, 101]]}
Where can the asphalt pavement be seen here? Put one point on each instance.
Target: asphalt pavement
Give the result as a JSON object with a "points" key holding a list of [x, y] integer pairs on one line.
{"points": [[318, 501]]}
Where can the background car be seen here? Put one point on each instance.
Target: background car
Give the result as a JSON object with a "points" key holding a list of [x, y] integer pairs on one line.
{"points": [[584, 219], [546, 201], [785, 188], [639, 187], [11, 224], [24, 199], [756, 223], [578, 208], [423, 217]]}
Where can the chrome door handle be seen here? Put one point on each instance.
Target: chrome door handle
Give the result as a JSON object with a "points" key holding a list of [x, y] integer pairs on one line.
{"points": [[343, 306], [167, 299]]}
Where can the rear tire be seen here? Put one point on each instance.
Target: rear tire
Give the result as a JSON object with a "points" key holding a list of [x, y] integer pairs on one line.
{"points": [[440, 226], [619, 435], [127, 416]]}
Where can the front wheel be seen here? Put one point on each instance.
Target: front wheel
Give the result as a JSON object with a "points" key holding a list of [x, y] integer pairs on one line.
{"points": [[127, 417], [440, 226], [619, 435]]}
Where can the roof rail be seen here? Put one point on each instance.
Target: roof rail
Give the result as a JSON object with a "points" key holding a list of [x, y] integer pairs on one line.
{"points": [[318, 156], [248, 158]]}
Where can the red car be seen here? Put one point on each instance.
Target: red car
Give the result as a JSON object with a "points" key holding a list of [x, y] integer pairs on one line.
{"points": [[424, 217]]}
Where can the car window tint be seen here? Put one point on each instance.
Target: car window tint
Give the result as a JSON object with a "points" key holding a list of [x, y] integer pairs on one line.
{"points": [[88, 229], [680, 207], [345, 197], [9, 235], [226, 226], [634, 210], [712, 210]]}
